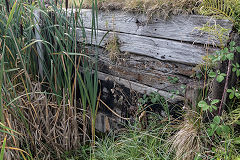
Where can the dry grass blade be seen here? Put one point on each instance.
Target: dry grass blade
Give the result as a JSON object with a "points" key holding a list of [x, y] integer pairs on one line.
{"points": [[52, 127], [186, 142], [162, 8]]}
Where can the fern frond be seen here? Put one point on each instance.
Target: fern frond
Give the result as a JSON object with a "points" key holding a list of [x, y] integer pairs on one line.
{"points": [[218, 9]]}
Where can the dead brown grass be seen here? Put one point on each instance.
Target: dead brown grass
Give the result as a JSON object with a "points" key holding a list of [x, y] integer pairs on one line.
{"points": [[163, 8], [186, 143], [47, 129]]}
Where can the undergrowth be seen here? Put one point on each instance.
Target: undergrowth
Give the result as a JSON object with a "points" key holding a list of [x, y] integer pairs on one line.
{"points": [[163, 8], [42, 69]]}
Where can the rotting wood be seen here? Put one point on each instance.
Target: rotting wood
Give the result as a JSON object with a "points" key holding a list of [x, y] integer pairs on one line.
{"points": [[179, 28], [160, 49], [147, 71], [192, 95], [140, 88]]}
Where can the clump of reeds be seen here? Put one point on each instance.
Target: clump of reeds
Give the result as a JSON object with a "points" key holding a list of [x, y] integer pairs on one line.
{"points": [[45, 110]]}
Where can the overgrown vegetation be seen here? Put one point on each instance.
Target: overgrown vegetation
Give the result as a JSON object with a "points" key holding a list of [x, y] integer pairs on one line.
{"points": [[49, 89], [41, 70], [162, 8]]}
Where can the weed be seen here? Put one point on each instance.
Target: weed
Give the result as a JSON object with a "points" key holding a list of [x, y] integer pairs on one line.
{"points": [[112, 47]]}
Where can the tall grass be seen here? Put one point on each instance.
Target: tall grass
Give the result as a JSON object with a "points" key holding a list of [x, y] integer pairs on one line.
{"points": [[44, 107]]}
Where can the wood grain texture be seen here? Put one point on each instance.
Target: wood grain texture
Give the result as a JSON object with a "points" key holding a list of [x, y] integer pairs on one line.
{"points": [[180, 28], [147, 71], [140, 88], [161, 49]]}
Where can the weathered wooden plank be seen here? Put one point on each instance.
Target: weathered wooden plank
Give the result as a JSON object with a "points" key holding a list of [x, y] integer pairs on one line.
{"points": [[160, 49], [140, 88], [147, 71], [180, 28]]}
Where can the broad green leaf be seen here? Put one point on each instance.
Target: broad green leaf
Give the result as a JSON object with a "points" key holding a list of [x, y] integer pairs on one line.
{"points": [[214, 107], [213, 126], [232, 43], [226, 129], [203, 105], [144, 96], [238, 49], [219, 131], [212, 74], [231, 95], [153, 100], [230, 56], [225, 50], [220, 78], [216, 119], [238, 73], [210, 132], [215, 101], [237, 95]]}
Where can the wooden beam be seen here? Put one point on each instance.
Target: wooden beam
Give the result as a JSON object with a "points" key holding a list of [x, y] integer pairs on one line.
{"points": [[161, 49], [140, 88], [179, 28]]}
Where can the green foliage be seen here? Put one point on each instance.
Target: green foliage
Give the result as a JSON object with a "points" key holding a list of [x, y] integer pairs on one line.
{"points": [[217, 33], [236, 68], [219, 8], [3, 148], [136, 143], [234, 93], [205, 107], [235, 116], [173, 80], [66, 67], [218, 128], [224, 9], [153, 98], [225, 53]]}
